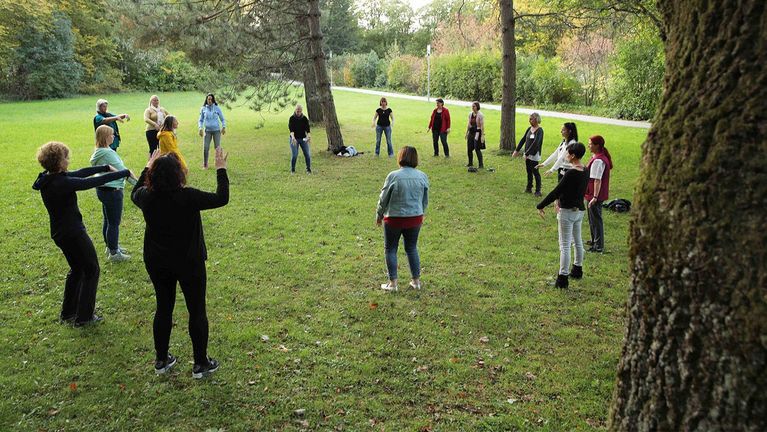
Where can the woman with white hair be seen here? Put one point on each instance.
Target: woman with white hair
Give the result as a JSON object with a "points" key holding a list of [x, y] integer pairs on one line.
{"points": [[533, 142], [154, 116], [104, 117], [300, 135]]}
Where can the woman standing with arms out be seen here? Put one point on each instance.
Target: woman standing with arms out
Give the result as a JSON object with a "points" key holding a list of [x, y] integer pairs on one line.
{"points": [[559, 157], [175, 252], [598, 190], [169, 141], [58, 189], [568, 195], [401, 206], [210, 128], [300, 135], [382, 122], [104, 117], [110, 194], [533, 142], [475, 135], [154, 116], [440, 127]]}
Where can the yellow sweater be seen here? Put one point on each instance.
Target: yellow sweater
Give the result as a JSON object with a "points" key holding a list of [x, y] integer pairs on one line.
{"points": [[169, 144]]}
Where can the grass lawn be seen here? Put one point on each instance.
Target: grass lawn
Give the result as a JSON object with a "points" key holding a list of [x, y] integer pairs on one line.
{"points": [[299, 259]]}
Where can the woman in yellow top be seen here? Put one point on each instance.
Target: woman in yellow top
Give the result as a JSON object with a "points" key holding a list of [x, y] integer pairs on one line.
{"points": [[154, 116], [168, 140]]}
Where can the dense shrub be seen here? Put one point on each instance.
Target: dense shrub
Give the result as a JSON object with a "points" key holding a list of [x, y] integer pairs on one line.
{"points": [[552, 83], [404, 73], [363, 69], [465, 76], [154, 70], [637, 77]]}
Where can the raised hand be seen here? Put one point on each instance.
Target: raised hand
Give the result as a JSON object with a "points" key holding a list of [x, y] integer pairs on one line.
{"points": [[155, 154], [221, 158]]}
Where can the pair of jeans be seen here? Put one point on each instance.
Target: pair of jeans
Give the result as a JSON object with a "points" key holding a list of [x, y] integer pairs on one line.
{"points": [[112, 209], [294, 151], [192, 277], [570, 234], [216, 136], [596, 226], [82, 279], [152, 140], [387, 131], [532, 172], [391, 245], [473, 145], [440, 136]]}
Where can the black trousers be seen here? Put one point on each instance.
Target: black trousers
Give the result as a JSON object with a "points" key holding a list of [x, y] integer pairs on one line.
{"points": [[473, 145], [152, 140], [193, 280], [532, 172], [596, 226], [82, 279], [436, 136]]}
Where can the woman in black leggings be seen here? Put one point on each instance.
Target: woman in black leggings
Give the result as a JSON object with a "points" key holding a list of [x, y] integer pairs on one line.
{"points": [[174, 251]]}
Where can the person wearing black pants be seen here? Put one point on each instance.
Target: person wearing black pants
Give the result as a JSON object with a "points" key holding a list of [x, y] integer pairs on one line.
{"points": [[174, 251], [475, 138], [440, 127], [58, 189], [533, 142]]}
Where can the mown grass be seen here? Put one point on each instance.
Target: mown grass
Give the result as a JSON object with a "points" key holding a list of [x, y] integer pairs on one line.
{"points": [[298, 259]]}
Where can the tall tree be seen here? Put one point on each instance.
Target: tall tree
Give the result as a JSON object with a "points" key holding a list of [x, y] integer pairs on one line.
{"points": [[311, 92], [695, 350], [509, 64]]}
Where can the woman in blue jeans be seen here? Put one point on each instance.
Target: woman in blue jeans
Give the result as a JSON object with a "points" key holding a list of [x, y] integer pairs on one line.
{"points": [[300, 135], [211, 126], [110, 194], [401, 206], [382, 122]]}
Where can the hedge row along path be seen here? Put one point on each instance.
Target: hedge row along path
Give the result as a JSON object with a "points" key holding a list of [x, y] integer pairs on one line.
{"points": [[554, 114]]}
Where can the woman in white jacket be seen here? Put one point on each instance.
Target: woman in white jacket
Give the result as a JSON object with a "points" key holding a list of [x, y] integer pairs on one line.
{"points": [[559, 157], [475, 135]]}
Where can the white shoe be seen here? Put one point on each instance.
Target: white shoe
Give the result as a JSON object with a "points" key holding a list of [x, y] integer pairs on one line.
{"points": [[119, 248], [118, 257], [389, 287], [415, 285]]}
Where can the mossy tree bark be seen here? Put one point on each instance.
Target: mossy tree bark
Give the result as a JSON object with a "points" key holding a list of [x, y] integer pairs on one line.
{"points": [[332, 129], [509, 65], [695, 351]]}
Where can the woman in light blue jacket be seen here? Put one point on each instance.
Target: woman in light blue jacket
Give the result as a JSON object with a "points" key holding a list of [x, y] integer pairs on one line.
{"points": [[401, 206], [210, 115], [110, 194]]}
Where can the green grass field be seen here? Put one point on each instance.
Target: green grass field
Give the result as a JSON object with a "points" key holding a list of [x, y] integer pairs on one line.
{"points": [[299, 259]]}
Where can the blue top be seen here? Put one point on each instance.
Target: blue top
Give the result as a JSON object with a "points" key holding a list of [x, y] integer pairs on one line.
{"points": [[209, 117], [98, 120], [405, 193]]}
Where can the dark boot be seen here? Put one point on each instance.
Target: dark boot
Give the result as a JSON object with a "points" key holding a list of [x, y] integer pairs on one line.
{"points": [[561, 282], [576, 272]]}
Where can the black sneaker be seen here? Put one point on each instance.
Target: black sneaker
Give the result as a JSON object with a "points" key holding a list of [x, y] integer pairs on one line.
{"points": [[67, 319], [94, 320], [576, 272], [201, 371], [537, 193], [162, 367], [528, 190], [561, 282]]}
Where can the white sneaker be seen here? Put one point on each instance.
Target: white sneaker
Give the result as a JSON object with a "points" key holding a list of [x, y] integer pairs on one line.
{"points": [[118, 257], [107, 252], [389, 287], [415, 285]]}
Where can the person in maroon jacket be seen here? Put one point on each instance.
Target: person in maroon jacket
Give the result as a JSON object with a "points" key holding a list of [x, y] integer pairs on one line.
{"points": [[440, 127], [598, 190]]}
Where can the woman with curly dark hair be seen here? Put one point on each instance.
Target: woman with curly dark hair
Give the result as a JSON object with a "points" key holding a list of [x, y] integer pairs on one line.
{"points": [[174, 251]]}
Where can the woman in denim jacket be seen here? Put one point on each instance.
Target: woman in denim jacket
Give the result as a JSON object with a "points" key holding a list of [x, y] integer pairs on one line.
{"points": [[401, 206]]}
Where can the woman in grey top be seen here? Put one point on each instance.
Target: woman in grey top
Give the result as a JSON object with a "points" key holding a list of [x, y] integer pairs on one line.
{"points": [[403, 200], [533, 142]]}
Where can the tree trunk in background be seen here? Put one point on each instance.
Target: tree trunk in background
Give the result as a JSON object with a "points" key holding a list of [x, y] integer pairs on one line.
{"points": [[332, 129], [508, 101], [313, 105], [695, 350]]}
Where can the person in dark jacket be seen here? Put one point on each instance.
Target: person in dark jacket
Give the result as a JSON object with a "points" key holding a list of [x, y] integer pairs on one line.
{"points": [[568, 196], [174, 251], [58, 189], [533, 142], [439, 125], [300, 136], [598, 190]]}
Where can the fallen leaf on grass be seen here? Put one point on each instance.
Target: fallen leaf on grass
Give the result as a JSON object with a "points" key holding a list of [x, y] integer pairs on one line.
{"points": [[511, 400], [373, 306], [73, 386], [300, 412], [52, 412], [122, 387], [283, 348], [454, 360], [530, 376], [265, 338], [484, 339]]}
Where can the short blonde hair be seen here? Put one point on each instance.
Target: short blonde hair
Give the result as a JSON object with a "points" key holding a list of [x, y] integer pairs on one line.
{"points": [[103, 135], [52, 155], [101, 102]]}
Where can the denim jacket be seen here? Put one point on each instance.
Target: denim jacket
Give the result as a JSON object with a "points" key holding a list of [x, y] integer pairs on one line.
{"points": [[209, 117], [405, 193]]}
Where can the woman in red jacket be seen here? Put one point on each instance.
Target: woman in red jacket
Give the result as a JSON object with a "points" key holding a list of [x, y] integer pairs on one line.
{"points": [[440, 127], [598, 190]]}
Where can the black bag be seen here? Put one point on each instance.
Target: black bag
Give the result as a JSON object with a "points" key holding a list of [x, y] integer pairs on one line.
{"points": [[618, 205]]}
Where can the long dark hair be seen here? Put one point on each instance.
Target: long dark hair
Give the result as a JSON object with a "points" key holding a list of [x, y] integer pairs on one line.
{"points": [[165, 174], [167, 124], [573, 132], [598, 141], [206, 99]]}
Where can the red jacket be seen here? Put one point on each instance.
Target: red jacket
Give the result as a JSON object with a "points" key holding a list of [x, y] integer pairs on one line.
{"points": [[604, 189], [445, 119]]}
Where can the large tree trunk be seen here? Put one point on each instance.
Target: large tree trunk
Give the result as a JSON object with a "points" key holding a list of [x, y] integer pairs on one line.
{"points": [[313, 105], [508, 100], [332, 129], [695, 353]]}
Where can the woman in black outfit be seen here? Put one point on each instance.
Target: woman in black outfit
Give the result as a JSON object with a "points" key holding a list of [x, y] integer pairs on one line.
{"points": [[58, 189], [533, 142], [174, 251], [568, 195]]}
